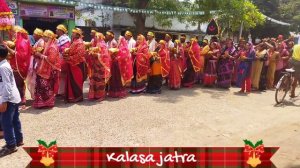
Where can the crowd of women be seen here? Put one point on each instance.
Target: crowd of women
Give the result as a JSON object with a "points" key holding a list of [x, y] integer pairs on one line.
{"points": [[56, 66]]}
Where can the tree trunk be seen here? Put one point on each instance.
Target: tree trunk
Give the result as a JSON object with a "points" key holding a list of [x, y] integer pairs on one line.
{"points": [[140, 19]]}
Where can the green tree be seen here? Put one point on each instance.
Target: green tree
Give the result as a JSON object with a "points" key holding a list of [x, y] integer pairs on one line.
{"points": [[233, 13], [201, 5], [162, 5], [290, 12]]}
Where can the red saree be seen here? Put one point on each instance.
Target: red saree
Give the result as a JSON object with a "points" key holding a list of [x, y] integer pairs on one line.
{"points": [[175, 75], [100, 70], [48, 71], [20, 62], [141, 66], [121, 70], [165, 61], [194, 54], [142, 61], [76, 71], [125, 62]]}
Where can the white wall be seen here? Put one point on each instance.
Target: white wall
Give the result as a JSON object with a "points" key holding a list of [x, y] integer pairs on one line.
{"points": [[101, 17], [125, 19]]}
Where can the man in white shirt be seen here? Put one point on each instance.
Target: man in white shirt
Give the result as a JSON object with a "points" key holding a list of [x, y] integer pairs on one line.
{"points": [[131, 42], [9, 106], [297, 36], [169, 41], [110, 40], [151, 41]]}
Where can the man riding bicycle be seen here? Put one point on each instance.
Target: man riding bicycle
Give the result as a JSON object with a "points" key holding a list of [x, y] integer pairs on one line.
{"points": [[295, 63]]}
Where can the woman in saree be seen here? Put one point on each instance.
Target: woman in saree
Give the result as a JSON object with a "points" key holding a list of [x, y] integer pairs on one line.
{"points": [[99, 64], [121, 69], [48, 70], [225, 65], [38, 46], [160, 65], [210, 73], [236, 61], [282, 61], [273, 59], [193, 64], [20, 60], [175, 76], [257, 66], [76, 68], [141, 64], [245, 68]]}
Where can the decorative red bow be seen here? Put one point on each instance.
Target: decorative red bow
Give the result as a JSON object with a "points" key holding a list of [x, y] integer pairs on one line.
{"points": [[47, 152], [257, 151]]}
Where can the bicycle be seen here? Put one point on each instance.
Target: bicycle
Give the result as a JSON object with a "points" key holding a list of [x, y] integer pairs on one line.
{"points": [[284, 85]]}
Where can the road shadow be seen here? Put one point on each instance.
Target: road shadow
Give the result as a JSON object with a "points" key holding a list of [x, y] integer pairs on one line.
{"points": [[240, 94], [216, 93], [173, 96]]}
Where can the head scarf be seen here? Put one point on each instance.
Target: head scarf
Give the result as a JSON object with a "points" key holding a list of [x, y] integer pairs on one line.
{"points": [[62, 28], [150, 34], [49, 34], [38, 32], [110, 33], [78, 31]]}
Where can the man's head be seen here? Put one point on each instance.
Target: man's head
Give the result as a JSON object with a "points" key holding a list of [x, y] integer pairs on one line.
{"points": [[48, 35], [168, 37], [205, 42], [37, 34], [77, 33], [61, 30], [182, 38], [150, 36], [3, 52], [93, 33], [110, 35], [214, 39], [128, 35], [280, 37]]}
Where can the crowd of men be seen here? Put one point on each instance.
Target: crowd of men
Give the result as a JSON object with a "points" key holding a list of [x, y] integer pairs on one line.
{"points": [[56, 65]]}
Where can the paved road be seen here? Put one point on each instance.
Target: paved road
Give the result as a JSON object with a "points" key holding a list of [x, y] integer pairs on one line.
{"points": [[188, 117]]}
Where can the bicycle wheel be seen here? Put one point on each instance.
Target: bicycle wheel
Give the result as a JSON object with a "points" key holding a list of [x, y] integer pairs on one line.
{"points": [[282, 88]]}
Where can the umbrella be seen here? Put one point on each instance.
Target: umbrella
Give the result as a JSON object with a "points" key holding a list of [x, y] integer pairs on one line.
{"points": [[7, 19]]}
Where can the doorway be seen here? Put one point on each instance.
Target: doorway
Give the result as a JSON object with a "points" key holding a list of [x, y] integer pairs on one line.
{"points": [[30, 24]]}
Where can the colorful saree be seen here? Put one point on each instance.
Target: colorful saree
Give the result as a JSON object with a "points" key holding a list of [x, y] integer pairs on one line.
{"points": [[245, 69], [20, 62], [31, 77], [210, 72], [225, 69], [63, 43], [257, 68], [159, 64], [76, 71], [121, 70], [194, 64], [48, 70], [177, 55], [99, 65], [140, 67]]}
